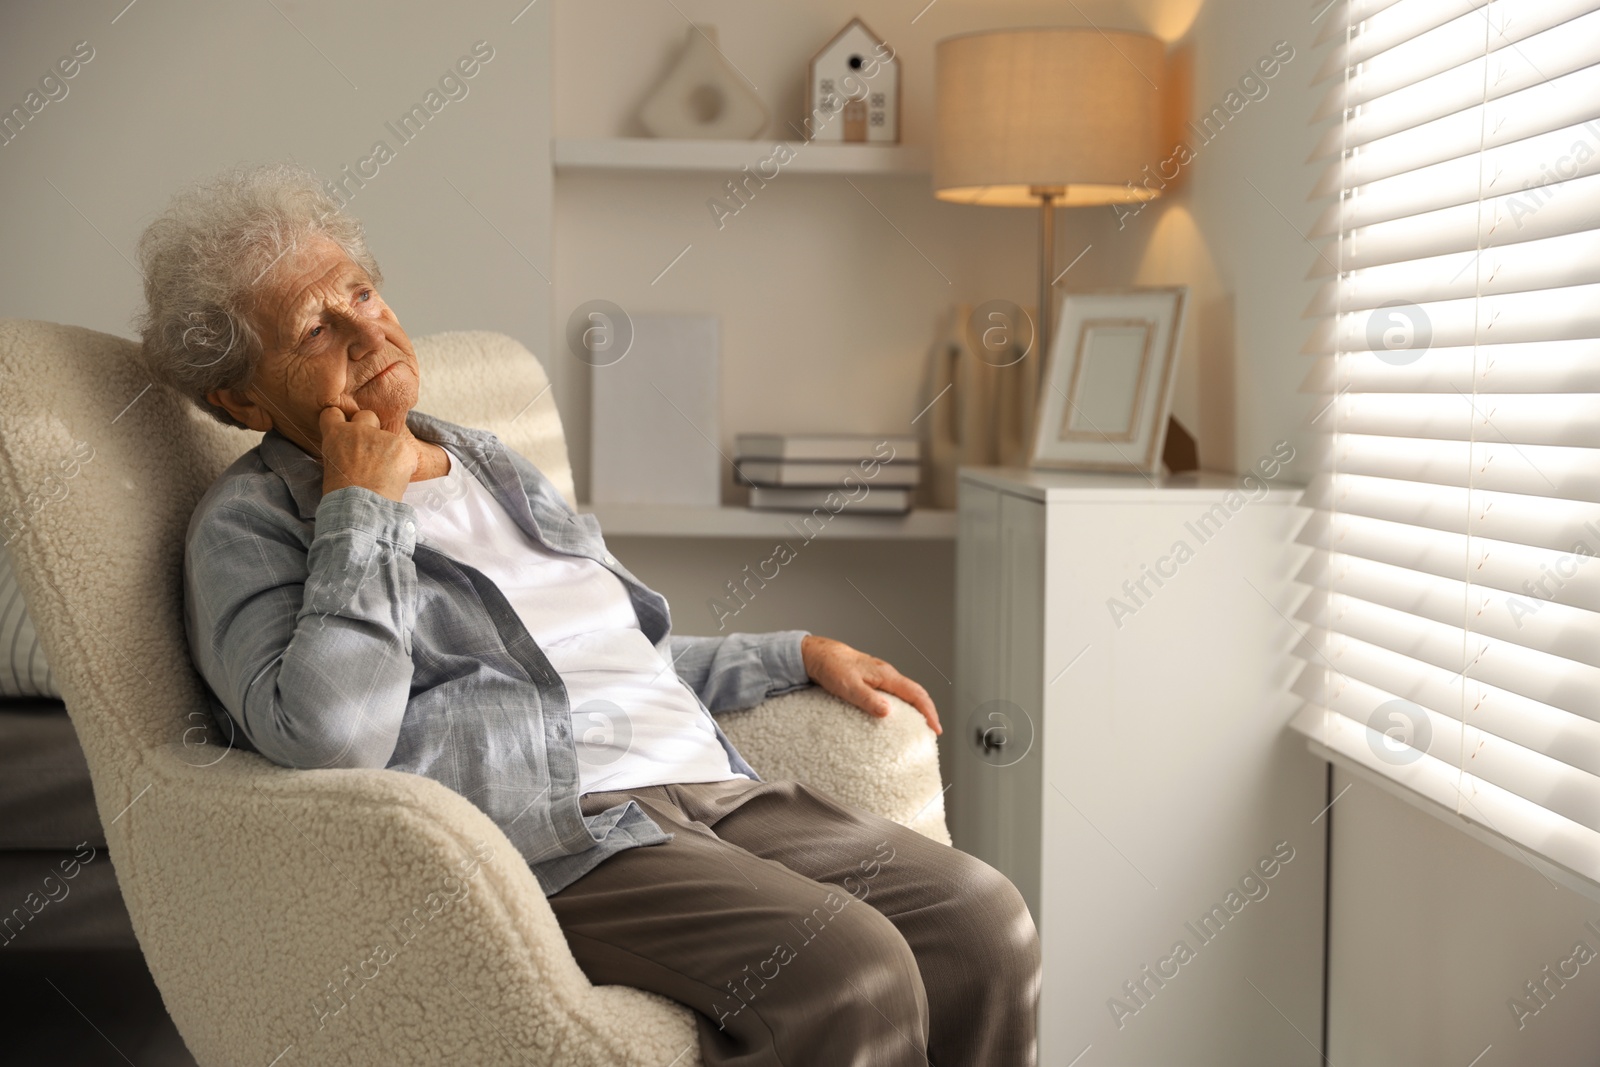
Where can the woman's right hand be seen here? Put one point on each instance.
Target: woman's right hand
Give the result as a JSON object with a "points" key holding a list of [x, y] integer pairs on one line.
{"points": [[358, 451]]}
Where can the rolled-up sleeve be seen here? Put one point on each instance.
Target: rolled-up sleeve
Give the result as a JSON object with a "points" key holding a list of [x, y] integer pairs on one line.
{"points": [[740, 670], [309, 649]]}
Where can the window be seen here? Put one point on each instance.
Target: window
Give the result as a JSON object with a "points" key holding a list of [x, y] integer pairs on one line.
{"points": [[1453, 623]]}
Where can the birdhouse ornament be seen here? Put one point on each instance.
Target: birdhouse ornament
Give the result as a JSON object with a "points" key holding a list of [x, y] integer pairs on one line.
{"points": [[854, 89]]}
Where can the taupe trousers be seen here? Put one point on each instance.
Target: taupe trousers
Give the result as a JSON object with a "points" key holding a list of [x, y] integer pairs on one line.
{"points": [[810, 934]]}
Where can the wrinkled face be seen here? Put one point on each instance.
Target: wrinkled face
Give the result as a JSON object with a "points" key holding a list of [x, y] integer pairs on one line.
{"points": [[328, 340]]}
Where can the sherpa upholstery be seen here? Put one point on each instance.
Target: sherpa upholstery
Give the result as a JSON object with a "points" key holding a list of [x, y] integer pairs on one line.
{"points": [[332, 916]]}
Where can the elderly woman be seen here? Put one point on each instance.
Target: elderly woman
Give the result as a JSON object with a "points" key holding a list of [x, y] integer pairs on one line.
{"points": [[374, 587]]}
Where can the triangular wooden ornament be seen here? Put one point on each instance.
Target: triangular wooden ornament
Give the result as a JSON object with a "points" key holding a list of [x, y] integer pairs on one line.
{"points": [[702, 96]]}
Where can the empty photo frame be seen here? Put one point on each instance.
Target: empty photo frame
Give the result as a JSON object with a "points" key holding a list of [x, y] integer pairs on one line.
{"points": [[1107, 389]]}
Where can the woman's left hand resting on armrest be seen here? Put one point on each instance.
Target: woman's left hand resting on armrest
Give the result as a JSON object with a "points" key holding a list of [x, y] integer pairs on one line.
{"points": [[852, 675]]}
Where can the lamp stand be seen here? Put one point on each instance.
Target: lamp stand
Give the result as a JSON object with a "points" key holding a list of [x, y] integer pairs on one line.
{"points": [[1047, 264]]}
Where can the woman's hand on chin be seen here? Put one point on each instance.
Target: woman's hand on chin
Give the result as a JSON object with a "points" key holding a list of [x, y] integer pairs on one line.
{"points": [[852, 675], [358, 451]]}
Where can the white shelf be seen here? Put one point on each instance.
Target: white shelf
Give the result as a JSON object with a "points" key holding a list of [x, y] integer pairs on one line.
{"points": [[681, 520], [1083, 487], [648, 153]]}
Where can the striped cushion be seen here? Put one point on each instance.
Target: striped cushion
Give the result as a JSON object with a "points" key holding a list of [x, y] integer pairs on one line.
{"points": [[23, 671]]}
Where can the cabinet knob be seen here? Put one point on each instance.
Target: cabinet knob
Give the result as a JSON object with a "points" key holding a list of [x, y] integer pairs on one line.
{"points": [[1001, 731]]}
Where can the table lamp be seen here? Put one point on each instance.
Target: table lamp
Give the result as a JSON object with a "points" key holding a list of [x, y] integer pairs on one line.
{"points": [[1047, 118]]}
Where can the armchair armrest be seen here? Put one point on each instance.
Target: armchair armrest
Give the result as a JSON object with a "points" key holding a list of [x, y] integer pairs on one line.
{"points": [[886, 766], [358, 917]]}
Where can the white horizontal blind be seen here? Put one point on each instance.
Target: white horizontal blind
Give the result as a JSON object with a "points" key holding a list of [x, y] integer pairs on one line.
{"points": [[1453, 624]]}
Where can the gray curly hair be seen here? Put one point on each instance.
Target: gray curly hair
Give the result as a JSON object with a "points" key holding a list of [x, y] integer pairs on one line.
{"points": [[204, 261]]}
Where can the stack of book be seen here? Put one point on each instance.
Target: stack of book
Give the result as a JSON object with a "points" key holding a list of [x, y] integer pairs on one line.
{"points": [[870, 474]]}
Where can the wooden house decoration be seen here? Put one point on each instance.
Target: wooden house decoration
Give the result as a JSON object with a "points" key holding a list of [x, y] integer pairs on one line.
{"points": [[853, 90]]}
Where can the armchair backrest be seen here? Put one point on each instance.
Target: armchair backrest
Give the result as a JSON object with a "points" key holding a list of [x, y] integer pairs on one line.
{"points": [[490, 382], [100, 470]]}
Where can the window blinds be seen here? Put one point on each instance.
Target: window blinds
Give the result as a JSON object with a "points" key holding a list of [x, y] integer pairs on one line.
{"points": [[1452, 629]]}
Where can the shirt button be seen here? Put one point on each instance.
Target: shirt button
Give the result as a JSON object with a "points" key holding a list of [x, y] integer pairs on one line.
{"points": [[609, 558], [411, 527]]}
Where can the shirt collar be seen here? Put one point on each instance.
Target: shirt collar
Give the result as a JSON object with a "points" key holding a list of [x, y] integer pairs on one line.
{"points": [[302, 472]]}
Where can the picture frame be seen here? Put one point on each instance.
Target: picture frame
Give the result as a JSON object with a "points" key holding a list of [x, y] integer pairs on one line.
{"points": [[1106, 391]]}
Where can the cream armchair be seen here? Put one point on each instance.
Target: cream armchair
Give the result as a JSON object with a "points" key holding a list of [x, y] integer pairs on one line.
{"points": [[325, 917]]}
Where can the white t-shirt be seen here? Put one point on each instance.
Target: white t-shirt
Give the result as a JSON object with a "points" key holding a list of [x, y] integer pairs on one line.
{"points": [[634, 723]]}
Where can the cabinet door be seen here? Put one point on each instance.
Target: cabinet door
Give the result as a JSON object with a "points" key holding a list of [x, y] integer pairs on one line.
{"points": [[978, 602], [994, 803], [1019, 699], [1169, 780]]}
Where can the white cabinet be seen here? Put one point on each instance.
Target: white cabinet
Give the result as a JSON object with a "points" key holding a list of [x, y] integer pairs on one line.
{"points": [[1119, 751]]}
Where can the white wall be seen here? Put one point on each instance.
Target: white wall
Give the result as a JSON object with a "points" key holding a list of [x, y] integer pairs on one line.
{"points": [[179, 89], [1434, 933]]}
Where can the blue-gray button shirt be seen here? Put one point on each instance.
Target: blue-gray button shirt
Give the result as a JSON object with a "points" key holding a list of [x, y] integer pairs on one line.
{"points": [[330, 638]]}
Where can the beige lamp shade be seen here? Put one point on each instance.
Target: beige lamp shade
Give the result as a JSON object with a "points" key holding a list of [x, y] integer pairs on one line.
{"points": [[1021, 112]]}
